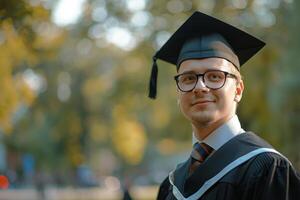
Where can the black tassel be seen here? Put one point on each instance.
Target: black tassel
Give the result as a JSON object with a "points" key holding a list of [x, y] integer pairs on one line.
{"points": [[153, 80]]}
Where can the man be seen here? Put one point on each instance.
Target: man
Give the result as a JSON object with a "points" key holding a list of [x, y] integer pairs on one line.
{"points": [[226, 162]]}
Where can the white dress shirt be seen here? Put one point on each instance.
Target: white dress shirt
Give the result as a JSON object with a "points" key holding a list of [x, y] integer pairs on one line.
{"points": [[223, 134]]}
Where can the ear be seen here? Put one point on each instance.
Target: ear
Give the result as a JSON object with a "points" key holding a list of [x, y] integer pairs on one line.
{"points": [[239, 91]]}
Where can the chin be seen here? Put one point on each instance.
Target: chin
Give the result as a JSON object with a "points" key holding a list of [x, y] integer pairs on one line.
{"points": [[204, 118]]}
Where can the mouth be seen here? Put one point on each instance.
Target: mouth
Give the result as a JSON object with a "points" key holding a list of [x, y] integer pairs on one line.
{"points": [[202, 102]]}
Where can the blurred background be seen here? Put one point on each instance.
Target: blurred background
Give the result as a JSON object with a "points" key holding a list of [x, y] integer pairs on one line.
{"points": [[75, 120]]}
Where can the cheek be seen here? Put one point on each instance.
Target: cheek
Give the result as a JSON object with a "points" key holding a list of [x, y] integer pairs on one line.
{"points": [[184, 101], [227, 99]]}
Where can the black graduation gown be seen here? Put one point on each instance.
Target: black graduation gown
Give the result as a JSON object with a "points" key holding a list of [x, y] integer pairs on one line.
{"points": [[266, 176]]}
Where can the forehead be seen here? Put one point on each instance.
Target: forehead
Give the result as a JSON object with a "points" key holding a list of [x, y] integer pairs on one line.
{"points": [[202, 65]]}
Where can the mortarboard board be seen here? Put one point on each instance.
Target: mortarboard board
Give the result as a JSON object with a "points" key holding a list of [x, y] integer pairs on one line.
{"points": [[203, 36]]}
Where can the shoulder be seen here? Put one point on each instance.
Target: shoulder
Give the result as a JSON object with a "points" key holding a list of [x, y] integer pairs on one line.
{"points": [[164, 189], [260, 166], [271, 176], [267, 159], [265, 164]]}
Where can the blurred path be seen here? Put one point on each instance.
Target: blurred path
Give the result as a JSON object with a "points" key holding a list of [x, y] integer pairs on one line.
{"points": [[138, 193]]}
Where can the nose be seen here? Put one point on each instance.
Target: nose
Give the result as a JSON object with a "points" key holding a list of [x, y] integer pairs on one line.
{"points": [[200, 85]]}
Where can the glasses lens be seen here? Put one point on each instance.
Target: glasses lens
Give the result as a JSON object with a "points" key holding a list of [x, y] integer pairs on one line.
{"points": [[186, 82], [214, 79]]}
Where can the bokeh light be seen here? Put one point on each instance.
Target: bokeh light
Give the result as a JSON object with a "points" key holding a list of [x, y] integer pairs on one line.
{"points": [[4, 183]]}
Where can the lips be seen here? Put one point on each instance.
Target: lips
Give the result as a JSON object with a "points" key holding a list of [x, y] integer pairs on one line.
{"points": [[202, 101]]}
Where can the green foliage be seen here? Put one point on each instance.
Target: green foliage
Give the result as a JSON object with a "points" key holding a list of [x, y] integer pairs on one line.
{"points": [[93, 94]]}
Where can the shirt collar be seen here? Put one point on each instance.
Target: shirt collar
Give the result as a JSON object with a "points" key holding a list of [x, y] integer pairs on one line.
{"points": [[223, 134]]}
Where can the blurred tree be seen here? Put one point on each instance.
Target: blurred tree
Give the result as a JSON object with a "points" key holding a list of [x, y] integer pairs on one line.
{"points": [[14, 54], [70, 92], [286, 93]]}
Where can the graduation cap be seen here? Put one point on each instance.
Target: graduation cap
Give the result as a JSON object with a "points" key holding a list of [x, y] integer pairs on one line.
{"points": [[203, 36]]}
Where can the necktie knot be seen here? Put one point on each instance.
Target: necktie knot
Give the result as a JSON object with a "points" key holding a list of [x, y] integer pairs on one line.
{"points": [[201, 151]]}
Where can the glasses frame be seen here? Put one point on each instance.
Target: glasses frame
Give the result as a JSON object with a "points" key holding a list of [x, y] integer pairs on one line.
{"points": [[227, 74]]}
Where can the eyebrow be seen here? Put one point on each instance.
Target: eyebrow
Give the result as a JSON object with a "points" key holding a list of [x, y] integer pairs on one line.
{"points": [[189, 72], [205, 70]]}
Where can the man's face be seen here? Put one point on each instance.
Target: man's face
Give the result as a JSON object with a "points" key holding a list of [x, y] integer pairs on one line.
{"points": [[208, 107]]}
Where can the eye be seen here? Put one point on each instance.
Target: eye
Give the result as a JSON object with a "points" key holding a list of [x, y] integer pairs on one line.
{"points": [[214, 76], [187, 78]]}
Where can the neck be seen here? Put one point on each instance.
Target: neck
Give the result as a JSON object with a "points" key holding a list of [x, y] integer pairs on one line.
{"points": [[202, 130]]}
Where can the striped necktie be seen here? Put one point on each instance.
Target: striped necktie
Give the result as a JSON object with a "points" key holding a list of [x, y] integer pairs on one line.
{"points": [[199, 153]]}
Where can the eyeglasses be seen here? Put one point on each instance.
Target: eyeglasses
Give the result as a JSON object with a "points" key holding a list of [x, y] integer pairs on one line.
{"points": [[213, 79]]}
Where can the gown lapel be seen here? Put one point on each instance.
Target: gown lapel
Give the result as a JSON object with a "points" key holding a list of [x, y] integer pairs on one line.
{"points": [[180, 174]]}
